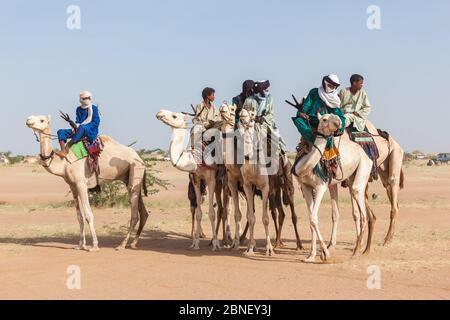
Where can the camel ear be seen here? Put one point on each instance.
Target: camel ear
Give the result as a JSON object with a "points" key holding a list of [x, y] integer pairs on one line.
{"points": [[319, 116], [49, 118]]}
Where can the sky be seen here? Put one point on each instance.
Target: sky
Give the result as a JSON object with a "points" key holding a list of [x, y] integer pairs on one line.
{"points": [[138, 57]]}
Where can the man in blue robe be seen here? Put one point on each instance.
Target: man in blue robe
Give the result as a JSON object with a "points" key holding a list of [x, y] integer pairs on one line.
{"points": [[87, 120]]}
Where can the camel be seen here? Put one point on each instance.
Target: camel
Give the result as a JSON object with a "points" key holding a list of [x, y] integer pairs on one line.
{"points": [[390, 171], [355, 167], [186, 161], [234, 175], [116, 163], [254, 177], [235, 179]]}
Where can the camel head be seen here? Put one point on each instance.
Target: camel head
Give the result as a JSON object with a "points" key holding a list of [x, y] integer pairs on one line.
{"points": [[328, 124], [38, 123], [228, 113], [247, 118], [173, 119]]}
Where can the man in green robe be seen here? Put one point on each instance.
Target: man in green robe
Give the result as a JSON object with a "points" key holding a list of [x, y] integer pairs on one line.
{"points": [[321, 100], [354, 104]]}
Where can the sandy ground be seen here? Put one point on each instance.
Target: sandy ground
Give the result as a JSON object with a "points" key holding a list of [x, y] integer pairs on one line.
{"points": [[38, 232]]}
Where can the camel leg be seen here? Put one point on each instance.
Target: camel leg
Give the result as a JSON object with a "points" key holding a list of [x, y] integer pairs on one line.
{"points": [[248, 188], [281, 217], [358, 189], [294, 222], [143, 216], [356, 216], [395, 172], [266, 220], [237, 214], [193, 223], [134, 192], [274, 214], [212, 213], [218, 196], [372, 219], [335, 215], [227, 236], [198, 217], [309, 199], [83, 200], [82, 243], [314, 220], [243, 237]]}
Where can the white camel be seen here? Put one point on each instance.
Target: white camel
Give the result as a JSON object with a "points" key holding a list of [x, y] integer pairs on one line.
{"points": [[188, 161], [116, 162], [355, 167]]}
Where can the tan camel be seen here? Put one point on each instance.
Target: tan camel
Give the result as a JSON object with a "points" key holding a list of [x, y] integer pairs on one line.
{"points": [[234, 175], [355, 167], [116, 162], [187, 161], [390, 170], [279, 192], [254, 177]]}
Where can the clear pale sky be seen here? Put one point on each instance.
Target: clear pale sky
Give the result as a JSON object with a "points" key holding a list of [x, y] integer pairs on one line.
{"points": [[140, 56]]}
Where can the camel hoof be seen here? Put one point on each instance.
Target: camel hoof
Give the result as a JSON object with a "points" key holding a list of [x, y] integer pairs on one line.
{"points": [[215, 245], [249, 252], [81, 247], [279, 245], [235, 245], [133, 246], [270, 252], [310, 259], [195, 245], [325, 255], [94, 249], [120, 248]]}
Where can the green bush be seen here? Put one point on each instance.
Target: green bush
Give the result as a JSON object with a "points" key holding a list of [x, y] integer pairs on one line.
{"points": [[114, 194]]}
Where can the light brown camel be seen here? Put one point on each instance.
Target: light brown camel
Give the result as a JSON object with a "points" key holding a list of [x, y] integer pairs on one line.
{"points": [[390, 171], [116, 162], [188, 161], [279, 190], [255, 177], [355, 167]]}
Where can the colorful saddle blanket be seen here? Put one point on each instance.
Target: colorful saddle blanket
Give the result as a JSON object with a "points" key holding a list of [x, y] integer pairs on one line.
{"points": [[365, 140], [85, 149]]}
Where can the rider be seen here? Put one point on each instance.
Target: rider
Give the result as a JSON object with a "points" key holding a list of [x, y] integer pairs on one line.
{"points": [[239, 100], [354, 104], [87, 120], [206, 113], [319, 100]]}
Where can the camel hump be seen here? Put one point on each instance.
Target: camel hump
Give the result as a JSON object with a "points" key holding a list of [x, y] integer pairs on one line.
{"points": [[107, 139]]}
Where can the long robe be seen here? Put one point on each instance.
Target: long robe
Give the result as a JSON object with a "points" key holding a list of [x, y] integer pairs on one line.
{"points": [[311, 107], [356, 108]]}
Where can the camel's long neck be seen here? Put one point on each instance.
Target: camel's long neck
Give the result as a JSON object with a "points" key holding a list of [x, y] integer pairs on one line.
{"points": [[53, 165], [181, 159]]}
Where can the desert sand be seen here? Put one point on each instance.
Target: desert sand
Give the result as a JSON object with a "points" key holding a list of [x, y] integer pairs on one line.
{"points": [[38, 231]]}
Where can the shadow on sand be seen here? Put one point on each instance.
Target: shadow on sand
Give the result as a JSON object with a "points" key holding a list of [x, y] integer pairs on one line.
{"points": [[172, 243]]}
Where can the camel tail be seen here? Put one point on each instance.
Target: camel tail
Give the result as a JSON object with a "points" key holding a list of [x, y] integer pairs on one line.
{"points": [[402, 179], [144, 184]]}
